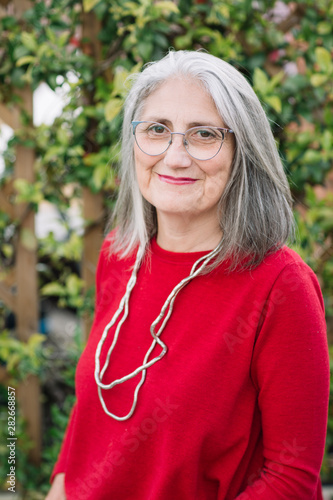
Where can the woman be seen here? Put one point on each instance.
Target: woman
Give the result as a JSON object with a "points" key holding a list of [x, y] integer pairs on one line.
{"points": [[206, 372]]}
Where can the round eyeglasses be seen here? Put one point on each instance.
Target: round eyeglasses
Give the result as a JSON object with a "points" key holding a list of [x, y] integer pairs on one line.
{"points": [[202, 143]]}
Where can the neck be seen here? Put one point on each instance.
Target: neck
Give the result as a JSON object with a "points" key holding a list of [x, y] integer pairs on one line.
{"points": [[185, 236]]}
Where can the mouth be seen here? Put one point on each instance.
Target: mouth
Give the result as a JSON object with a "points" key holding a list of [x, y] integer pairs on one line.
{"points": [[176, 180]]}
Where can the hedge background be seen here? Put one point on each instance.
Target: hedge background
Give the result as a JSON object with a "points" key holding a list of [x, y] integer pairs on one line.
{"points": [[283, 48]]}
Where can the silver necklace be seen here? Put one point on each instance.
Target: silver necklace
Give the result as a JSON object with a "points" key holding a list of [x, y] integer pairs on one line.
{"points": [[165, 313]]}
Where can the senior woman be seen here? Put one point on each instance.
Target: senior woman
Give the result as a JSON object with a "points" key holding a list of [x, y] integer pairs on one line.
{"points": [[205, 376]]}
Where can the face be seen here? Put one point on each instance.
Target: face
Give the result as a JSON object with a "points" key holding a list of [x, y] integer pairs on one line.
{"points": [[174, 182]]}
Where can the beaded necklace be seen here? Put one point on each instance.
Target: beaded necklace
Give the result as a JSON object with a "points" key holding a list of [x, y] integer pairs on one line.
{"points": [[165, 313]]}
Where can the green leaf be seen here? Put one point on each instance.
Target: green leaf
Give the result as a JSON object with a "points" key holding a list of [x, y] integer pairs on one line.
{"points": [[260, 81], [275, 102], [312, 156], [21, 51], [100, 175], [276, 80], [63, 39], [324, 28], [88, 5], [28, 239], [17, 78], [27, 192], [51, 35], [35, 340], [13, 361], [74, 284], [25, 60], [184, 41], [22, 186], [5, 68], [112, 108], [324, 59], [145, 49], [27, 77], [166, 7], [7, 250], [29, 41], [327, 140], [53, 288], [318, 79], [119, 81], [63, 136]]}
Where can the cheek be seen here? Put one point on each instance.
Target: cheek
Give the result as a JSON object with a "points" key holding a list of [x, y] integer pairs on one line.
{"points": [[214, 190], [143, 170], [143, 162], [216, 182]]}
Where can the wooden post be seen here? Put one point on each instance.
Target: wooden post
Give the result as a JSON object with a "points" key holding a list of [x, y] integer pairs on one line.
{"points": [[93, 210], [27, 295], [24, 302]]}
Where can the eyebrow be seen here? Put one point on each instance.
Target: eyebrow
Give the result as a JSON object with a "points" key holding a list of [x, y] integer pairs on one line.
{"points": [[168, 123]]}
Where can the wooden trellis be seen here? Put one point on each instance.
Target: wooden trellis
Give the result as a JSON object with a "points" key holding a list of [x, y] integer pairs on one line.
{"points": [[18, 291]]}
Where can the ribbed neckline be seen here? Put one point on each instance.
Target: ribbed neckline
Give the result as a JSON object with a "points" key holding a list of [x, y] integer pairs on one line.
{"points": [[178, 257]]}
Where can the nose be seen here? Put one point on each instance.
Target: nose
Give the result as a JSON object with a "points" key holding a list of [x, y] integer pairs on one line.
{"points": [[176, 154]]}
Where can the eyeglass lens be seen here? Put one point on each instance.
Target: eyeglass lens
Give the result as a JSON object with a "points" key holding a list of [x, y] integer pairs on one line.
{"points": [[202, 143]]}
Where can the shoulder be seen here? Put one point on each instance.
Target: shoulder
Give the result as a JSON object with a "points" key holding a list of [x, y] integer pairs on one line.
{"points": [[290, 275], [281, 274], [284, 261], [283, 257], [109, 253], [111, 261]]}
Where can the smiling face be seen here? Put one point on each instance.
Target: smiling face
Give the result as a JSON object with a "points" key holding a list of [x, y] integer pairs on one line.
{"points": [[174, 182]]}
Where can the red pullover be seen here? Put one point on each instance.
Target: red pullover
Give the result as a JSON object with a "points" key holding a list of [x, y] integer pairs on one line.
{"points": [[237, 407]]}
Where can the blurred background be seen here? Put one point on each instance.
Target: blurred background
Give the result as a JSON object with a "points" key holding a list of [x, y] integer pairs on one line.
{"points": [[64, 68]]}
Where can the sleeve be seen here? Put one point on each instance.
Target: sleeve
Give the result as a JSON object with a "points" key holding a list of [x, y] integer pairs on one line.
{"points": [[290, 369], [60, 465]]}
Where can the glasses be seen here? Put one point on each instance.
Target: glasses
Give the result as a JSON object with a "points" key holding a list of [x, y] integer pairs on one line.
{"points": [[202, 143]]}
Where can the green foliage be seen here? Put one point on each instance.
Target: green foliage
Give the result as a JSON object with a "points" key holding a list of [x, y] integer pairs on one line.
{"points": [[314, 240], [36, 47], [22, 448], [288, 61], [21, 358], [56, 367], [69, 292]]}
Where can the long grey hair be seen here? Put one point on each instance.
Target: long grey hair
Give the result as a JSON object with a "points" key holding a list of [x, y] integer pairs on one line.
{"points": [[255, 208]]}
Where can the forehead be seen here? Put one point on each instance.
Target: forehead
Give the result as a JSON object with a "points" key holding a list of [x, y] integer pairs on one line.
{"points": [[181, 100]]}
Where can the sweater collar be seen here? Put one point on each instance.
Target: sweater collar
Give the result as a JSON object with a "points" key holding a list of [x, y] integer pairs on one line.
{"points": [[178, 257]]}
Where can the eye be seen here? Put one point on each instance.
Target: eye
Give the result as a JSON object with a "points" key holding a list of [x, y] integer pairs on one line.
{"points": [[204, 134], [157, 129]]}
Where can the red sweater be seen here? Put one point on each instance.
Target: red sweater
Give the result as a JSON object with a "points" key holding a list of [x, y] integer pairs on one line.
{"points": [[237, 407]]}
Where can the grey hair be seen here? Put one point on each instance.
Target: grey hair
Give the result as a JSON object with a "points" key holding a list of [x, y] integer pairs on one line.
{"points": [[255, 208]]}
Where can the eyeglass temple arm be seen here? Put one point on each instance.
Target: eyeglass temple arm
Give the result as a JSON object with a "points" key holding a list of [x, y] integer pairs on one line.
{"points": [[134, 125]]}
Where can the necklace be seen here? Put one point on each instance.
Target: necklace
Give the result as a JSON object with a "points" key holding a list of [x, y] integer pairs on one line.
{"points": [[165, 313]]}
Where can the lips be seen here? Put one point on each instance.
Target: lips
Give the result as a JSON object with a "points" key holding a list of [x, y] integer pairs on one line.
{"points": [[176, 180]]}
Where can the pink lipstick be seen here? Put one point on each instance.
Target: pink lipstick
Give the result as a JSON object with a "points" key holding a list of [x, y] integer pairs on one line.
{"points": [[176, 180]]}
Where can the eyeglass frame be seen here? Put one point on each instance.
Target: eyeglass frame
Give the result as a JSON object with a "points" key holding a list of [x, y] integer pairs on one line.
{"points": [[225, 130]]}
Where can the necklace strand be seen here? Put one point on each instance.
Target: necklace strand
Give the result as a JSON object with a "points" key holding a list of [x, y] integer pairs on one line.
{"points": [[165, 312]]}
